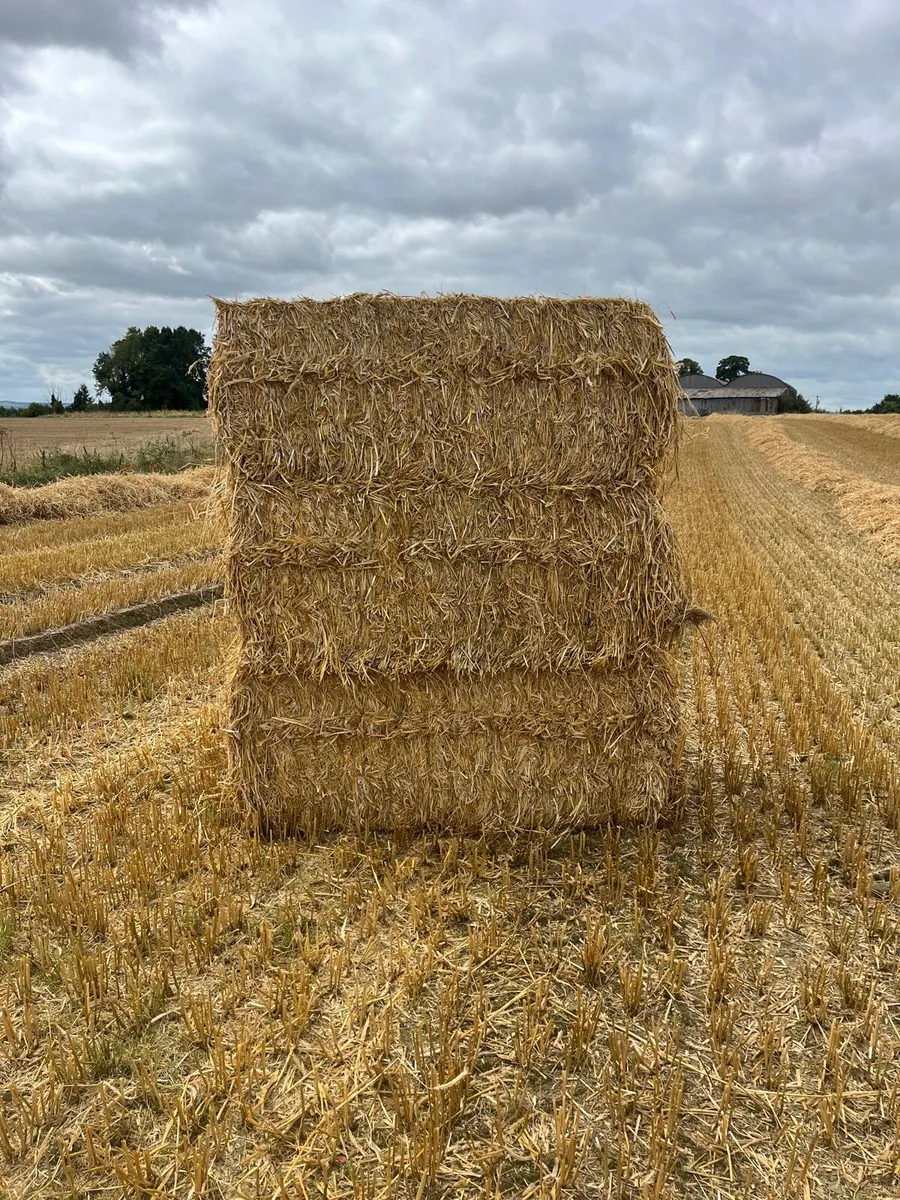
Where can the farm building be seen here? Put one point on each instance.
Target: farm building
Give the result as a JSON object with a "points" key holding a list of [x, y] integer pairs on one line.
{"points": [[753, 394]]}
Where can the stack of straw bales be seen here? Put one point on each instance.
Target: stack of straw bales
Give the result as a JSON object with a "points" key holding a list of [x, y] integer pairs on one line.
{"points": [[455, 585]]}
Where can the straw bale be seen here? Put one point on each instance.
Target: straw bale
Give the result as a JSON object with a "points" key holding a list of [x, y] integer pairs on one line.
{"points": [[454, 582], [514, 749], [468, 391], [480, 584]]}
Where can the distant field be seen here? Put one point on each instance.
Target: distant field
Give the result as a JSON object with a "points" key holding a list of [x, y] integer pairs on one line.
{"points": [[23, 438]]}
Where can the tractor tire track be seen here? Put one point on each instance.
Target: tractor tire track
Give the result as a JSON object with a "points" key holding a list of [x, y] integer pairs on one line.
{"points": [[96, 627]]}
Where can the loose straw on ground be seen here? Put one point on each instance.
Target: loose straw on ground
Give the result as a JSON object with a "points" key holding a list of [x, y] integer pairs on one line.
{"points": [[91, 494]]}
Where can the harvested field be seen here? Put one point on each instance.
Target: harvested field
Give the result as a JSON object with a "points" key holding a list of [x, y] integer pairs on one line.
{"points": [[705, 1010], [40, 536], [183, 531], [886, 424], [82, 598], [870, 450], [26, 437], [91, 628], [869, 495]]}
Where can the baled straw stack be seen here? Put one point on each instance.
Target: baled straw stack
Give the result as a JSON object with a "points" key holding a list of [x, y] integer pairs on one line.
{"points": [[455, 586]]}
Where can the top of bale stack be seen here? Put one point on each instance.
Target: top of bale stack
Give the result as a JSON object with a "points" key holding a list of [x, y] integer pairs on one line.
{"points": [[460, 391]]}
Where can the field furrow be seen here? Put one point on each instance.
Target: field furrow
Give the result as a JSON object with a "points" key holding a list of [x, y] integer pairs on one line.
{"points": [[60, 606]]}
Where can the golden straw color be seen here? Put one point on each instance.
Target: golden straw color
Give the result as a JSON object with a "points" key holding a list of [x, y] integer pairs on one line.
{"points": [[455, 586], [88, 495]]}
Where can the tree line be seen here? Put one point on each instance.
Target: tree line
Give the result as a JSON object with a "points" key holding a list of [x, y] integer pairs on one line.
{"points": [[143, 371]]}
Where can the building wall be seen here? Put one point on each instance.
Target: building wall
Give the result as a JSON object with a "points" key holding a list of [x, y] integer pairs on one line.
{"points": [[748, 406]]}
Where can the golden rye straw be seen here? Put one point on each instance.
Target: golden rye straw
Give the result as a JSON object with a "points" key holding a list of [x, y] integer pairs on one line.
{"points": [[454, 583], [91, 494], [870, 507]]}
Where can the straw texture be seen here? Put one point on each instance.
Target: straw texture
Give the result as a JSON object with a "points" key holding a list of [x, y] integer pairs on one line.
{"points": [[84, 495], [454, 582]]}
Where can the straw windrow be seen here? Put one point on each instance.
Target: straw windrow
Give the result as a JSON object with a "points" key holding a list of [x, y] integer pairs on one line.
{"points": [[87, 495], [453, 578]]}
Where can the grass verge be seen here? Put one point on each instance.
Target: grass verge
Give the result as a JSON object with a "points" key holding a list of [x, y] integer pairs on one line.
{"points": [[164, 455]]}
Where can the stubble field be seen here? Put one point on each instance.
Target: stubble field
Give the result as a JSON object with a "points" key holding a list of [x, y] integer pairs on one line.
{"points": [[705, 1010], [23, 438]]}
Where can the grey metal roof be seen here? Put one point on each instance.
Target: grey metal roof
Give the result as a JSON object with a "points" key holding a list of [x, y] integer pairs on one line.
{"points": [[698, 381], [726, 394], [756, 380]]}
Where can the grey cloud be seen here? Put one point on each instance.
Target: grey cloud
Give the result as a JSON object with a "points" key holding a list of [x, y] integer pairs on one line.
{"points": [[736, 164], [66, 361], [117, 26], [152, 269]]}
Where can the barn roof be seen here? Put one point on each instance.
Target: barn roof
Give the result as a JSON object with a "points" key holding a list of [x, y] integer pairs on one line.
{"points": [[689, 382], [723, 394], [754, 380]]}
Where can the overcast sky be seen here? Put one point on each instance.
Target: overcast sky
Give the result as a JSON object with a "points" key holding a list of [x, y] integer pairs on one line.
{"points": [[736, 164]]}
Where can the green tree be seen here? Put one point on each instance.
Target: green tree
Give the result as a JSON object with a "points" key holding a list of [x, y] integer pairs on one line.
{"points": [[890, 404], [56, 405], [118, 370], [731, 367], [81, 401], [154, 368], [793, 401], [689, 366]]}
